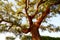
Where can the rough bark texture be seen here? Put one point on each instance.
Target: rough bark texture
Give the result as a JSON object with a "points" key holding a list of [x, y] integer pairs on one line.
{"points": [[35, 33]]}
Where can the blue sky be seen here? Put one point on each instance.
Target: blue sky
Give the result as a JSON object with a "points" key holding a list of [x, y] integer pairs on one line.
{"points": [[55, 20]]}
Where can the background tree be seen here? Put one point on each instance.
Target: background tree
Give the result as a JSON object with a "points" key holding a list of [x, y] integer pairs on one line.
{"points": [[29, 9]]}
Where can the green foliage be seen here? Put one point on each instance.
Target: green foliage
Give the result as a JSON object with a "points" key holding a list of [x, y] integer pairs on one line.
{"points": [[7, 14], [2, 27], [10, 38], [1, 2], [26, 38], [8, 8]]}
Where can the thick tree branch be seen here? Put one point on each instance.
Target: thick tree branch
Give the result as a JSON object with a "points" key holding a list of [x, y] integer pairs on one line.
{"points": [[25, 30], [29, 17], [58, 2], [26, 9], [45, 13], [41, 2]]}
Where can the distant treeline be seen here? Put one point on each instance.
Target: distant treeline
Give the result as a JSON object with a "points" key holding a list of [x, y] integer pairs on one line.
{"points": [[49, 38], [43, 38]]}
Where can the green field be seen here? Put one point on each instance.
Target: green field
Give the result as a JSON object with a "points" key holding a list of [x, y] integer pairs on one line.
{"points": [[43, 38], [30, 38], [49, 38]]}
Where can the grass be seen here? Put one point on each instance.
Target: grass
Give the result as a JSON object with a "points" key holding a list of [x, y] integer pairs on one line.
{"points": [[49, 38], [43, 38]]}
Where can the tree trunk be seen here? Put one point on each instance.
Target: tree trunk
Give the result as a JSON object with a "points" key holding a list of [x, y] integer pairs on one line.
{"points": [[35, 33]]}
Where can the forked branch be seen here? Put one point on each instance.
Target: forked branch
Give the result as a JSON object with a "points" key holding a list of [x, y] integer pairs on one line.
{"points": [[40, 2], [29, 17], [44, 14]]}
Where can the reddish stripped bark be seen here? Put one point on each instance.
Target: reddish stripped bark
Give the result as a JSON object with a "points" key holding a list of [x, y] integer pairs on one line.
{"points": [[35, 33], [44, 14], [34, 27]]}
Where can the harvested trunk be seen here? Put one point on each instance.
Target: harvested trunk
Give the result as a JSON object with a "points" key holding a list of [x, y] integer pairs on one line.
{"points": [[35, 33]]}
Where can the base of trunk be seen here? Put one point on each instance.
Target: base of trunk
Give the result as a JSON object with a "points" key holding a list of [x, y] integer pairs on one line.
{"points": [[35, 34]]}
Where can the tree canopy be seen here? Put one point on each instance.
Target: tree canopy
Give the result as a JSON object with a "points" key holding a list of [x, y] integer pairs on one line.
{"points": [[12, 15]]}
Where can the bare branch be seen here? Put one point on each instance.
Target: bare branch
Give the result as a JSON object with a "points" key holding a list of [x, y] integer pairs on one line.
{"points": [[26, 8], [25, 30], [29, 17]]}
